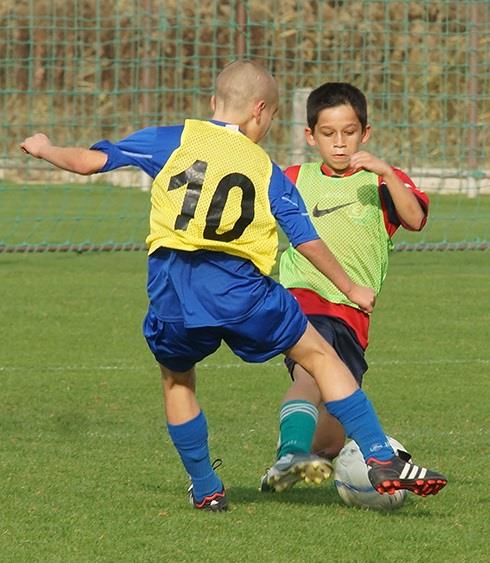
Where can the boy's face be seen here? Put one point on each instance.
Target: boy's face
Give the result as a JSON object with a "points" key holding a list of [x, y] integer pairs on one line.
{"points": [[337, 135]]}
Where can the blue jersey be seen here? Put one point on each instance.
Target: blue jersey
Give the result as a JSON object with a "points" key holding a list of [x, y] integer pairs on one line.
{"points": [[204, 288], [149, 149]]}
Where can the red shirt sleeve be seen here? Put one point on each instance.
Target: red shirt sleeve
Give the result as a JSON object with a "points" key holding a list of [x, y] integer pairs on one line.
{"points": [[292, 172], [392, 221]]}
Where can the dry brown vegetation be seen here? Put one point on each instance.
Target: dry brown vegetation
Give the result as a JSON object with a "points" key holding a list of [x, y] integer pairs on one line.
{"points": [[81, 70]]}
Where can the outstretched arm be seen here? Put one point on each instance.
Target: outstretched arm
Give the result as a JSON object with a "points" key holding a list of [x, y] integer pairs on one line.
{"points": [[317, 252], [74, 159], [407, 205]]}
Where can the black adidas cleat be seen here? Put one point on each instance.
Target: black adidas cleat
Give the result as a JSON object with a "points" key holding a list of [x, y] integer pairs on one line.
{"points": [[398, 473], [217, 502]]}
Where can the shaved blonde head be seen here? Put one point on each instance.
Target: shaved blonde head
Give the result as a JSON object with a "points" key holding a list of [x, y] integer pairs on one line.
{"points": [[241, 84]]}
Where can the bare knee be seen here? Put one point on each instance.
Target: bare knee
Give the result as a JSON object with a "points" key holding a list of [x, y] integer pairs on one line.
{"points": [[304, 387], [172, 378], [319, 359], [313, 352]]}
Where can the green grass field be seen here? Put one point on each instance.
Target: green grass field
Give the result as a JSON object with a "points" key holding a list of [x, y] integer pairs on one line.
{"points": [[87, 471]]}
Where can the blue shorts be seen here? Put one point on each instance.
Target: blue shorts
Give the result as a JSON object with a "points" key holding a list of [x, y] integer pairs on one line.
{"points": [[343, 341], [199, 299]]}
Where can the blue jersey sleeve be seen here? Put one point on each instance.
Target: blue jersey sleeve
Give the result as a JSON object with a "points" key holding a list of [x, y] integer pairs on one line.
{"points": [[148, 149], [289, 209]]}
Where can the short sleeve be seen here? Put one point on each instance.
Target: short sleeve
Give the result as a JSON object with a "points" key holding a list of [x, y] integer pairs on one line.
{"points": [[147, 149], [391, 219], [289, 209]]}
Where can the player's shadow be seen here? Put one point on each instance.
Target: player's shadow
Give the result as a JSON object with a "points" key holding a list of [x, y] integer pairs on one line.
{"points": [[320, 496]]}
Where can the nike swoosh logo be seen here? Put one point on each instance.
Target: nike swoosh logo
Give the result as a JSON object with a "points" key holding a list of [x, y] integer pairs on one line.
{"points": [[321, 212]]}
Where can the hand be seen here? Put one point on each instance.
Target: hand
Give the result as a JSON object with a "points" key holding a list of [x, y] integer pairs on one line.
{"points": [[34, 145], [366, 160], [364, 297]]}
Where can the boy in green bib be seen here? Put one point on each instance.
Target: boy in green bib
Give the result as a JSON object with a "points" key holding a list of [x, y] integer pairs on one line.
{"points": [[356, 202]]}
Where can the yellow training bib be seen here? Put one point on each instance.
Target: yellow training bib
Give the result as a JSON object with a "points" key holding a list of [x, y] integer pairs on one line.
{"points": [[212, 194]]}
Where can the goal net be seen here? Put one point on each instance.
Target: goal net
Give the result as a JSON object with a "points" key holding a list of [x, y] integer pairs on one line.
{"points": [[83, 71]]}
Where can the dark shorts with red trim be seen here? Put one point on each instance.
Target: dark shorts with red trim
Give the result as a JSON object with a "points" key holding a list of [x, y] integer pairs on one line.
{"points": [[344, 342]]}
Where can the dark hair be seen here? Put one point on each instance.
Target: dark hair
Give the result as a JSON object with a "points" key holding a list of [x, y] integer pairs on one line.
{"points": [[333, 94]]}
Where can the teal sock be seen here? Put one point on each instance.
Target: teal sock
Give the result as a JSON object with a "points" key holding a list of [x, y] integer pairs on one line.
{"points": [[297, 423]]}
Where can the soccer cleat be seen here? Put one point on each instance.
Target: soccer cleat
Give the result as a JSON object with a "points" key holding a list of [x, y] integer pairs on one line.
{"points": [[217, 502], [287, 482], [292, 468], [398, 473]]}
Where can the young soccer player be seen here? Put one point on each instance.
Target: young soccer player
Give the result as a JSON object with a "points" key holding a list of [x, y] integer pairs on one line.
{"points": [[356, 202], [215, 198]]}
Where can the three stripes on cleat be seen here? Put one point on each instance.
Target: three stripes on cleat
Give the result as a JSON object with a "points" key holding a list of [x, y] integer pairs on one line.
{"points": [[419, 485]]}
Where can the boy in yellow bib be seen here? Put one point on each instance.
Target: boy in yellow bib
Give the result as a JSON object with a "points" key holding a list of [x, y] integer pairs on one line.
{"points": [[215, 200]]}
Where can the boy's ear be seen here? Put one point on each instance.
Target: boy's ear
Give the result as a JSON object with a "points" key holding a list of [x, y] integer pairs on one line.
{"points": [[366, 134], [258, 109], [213, 103], [310, 139]]}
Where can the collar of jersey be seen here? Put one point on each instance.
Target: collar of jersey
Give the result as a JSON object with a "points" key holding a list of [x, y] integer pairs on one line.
{"points": [[329, 172], [232, 126]]}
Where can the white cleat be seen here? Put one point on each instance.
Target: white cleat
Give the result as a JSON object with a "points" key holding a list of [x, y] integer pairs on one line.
{"points": [[292, 468]]}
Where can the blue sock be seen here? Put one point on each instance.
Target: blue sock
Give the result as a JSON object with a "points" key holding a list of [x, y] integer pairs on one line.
{"points": [[191, 441], [360, 422]]}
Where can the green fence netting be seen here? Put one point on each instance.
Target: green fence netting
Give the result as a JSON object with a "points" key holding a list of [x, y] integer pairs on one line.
{"points": [[85, 70]]}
